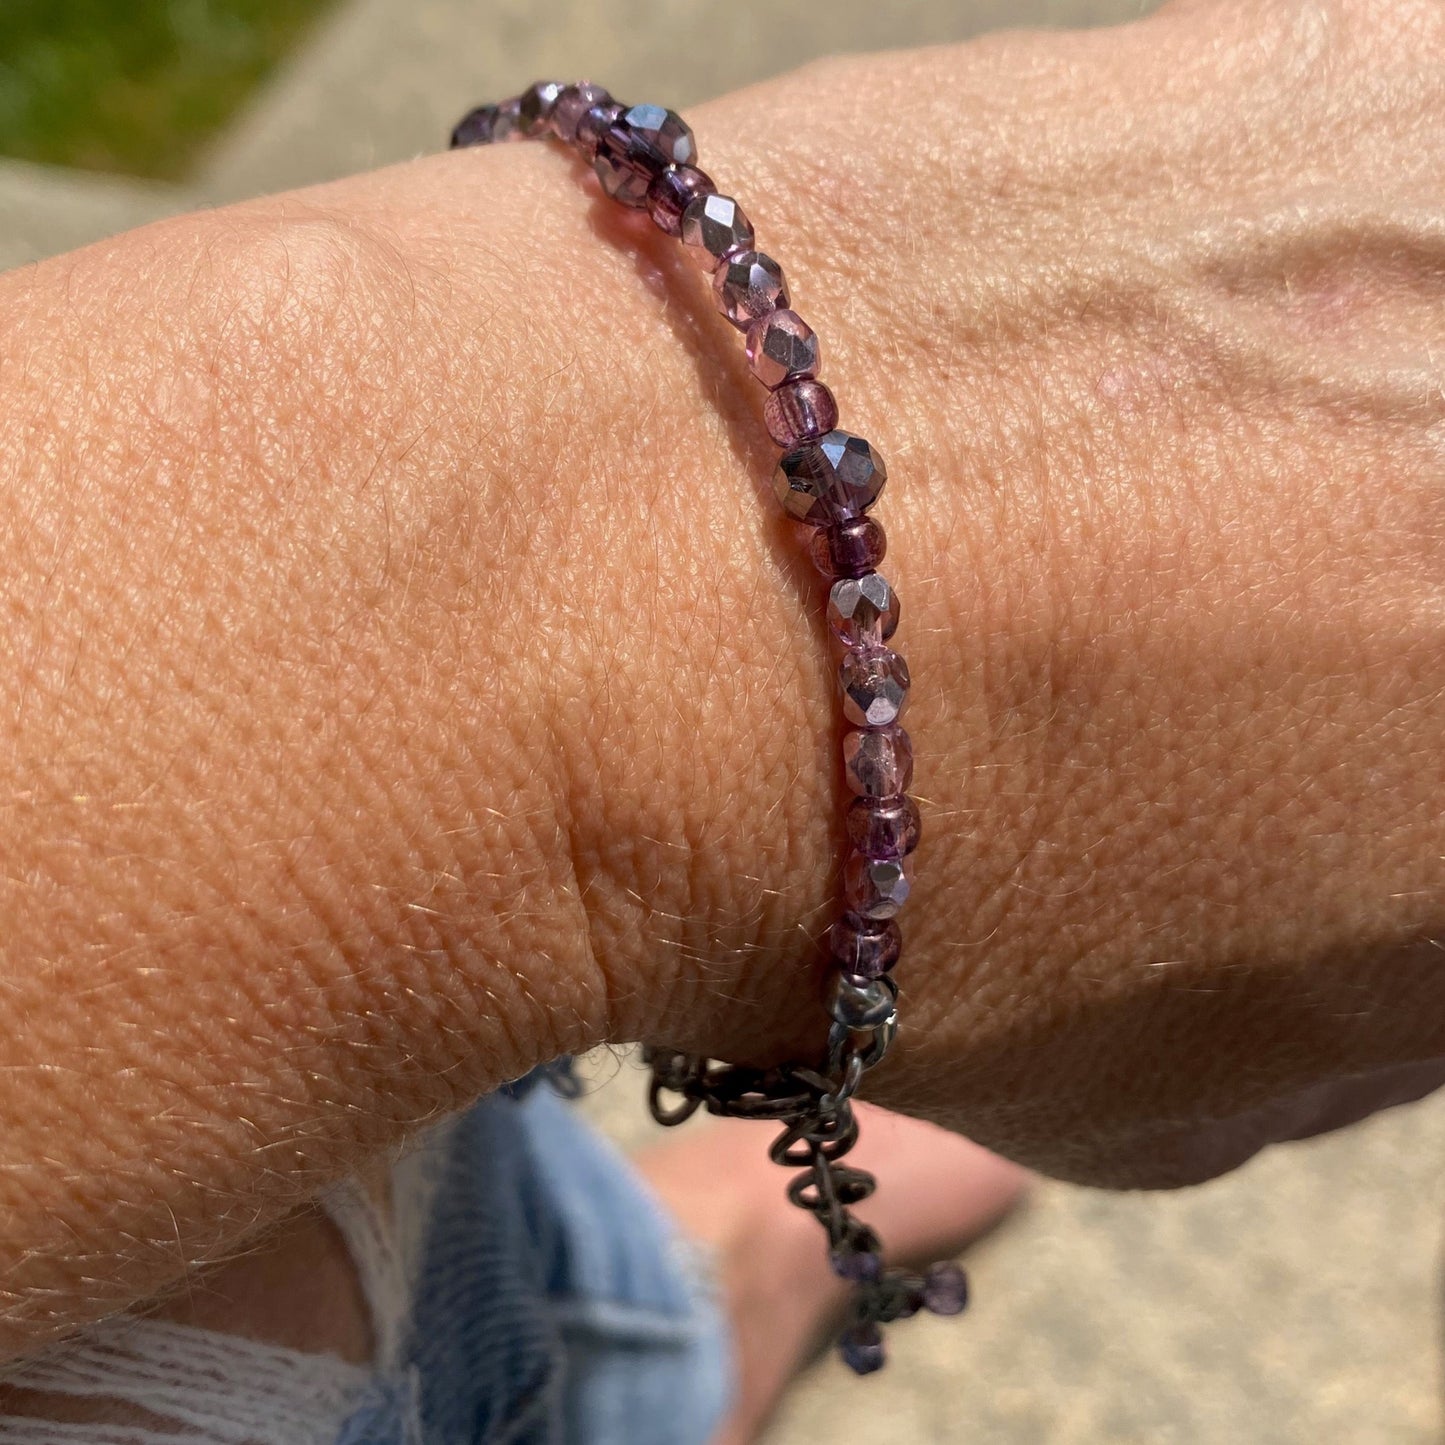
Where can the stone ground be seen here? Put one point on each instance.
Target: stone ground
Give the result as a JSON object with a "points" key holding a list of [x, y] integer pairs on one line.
{"points": [[1297, 1300]]}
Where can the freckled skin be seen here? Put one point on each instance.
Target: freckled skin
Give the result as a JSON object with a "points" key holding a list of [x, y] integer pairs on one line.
{"points": [[407, 674]]}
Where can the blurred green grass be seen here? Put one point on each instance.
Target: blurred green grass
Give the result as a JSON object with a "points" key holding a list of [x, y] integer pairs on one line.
{"points": [[135, 86]]}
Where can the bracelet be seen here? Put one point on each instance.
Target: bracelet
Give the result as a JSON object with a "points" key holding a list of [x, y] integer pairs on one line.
{"points": [[828, 479]]}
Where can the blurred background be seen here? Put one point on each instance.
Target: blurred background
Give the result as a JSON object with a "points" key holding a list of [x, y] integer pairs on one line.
{"points": [[1297, 1300]]}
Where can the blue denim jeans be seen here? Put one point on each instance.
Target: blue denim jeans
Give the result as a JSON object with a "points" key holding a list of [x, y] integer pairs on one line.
{"points": [[525, 1288]]}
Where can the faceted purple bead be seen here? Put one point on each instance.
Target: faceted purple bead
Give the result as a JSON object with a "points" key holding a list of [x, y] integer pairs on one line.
{"points": [[863, 611], [884, 827], [830, 480], [536, 105], [876, 887], [860, 1266], [862, 1349], [508, 124], [713, 227], [799, 411], [475, 127], [573, 103], [625, 168], [875, 685], [945, 1289], [849, 549], [672, 192], [596, 121], [782, 347], [747, 285], [865, 947], [878, 763], [663, 132]]}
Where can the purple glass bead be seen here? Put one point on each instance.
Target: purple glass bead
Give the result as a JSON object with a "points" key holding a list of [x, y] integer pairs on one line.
{"points": [[863, 611], [849, 549], [782, 347], [672, 192], [878, 763], [862, 1349], [876, 887], [875, 685], [747, 285], [945, 1289], [837, 477], [713, 227], [596, 121], [537, 101], [884, 827], [625, 168], [573, 103], [663, 132], [475, 127], [799, 411], [508, 122], [860, 1266], [865, 947]]}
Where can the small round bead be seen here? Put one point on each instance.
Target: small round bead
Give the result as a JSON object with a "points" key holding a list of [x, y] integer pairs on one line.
{"points": [[945, 1289], [672, 192], [878, 763], [573, 103], [475, 127], [884, 827], [782, 347], [865, 947], [663, 132], [536, 106], [863, 611], [747, 285], [849, 549], [862, 1349], [596, 121], [625, 168], [713, 227], [800, 411], [508, 124], [865, 1005], [875, 685], [876, 887], [830, 480], [858, 1266]]}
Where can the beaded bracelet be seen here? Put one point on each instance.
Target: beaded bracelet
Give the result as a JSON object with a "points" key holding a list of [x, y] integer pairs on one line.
{"points": [[644, 157]]}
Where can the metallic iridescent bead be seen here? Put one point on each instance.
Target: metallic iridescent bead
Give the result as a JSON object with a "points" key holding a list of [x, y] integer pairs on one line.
{"points": [[830, 480], [747, 285], [876, 887], [800, 411], [782, 347], [663, 132], [849, 549], [713, 227], [875, 684], [475, 127], [863, 611], [884, 827], [596, 121], [508, 123], [865, 947], [536, 103], [573, 103], [672, 192], [878, 763]]}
